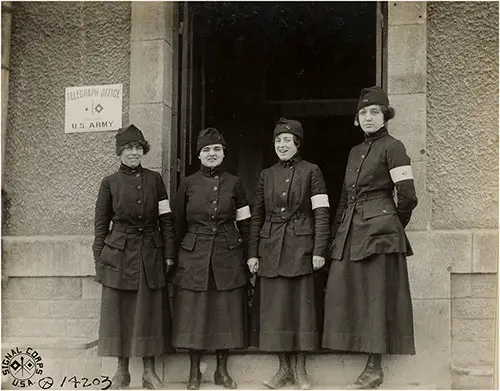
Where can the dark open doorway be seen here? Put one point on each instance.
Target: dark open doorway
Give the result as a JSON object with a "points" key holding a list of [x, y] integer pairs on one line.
{"points": [[245, 65], [242, 66]]}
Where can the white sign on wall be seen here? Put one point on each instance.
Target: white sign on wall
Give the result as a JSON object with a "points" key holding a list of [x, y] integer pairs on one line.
{"points": [[93, 108]]}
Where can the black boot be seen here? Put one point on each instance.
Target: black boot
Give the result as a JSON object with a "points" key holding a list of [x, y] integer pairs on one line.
{"points": [[300, 373], [194, 370], [221, 377], [372, 376], [284, 374], [121, 379], [150, 379]]}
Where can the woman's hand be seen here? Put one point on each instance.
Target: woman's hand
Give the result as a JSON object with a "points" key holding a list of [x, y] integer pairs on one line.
{"points": [[318, 262], [168, 265], [253, 265]]}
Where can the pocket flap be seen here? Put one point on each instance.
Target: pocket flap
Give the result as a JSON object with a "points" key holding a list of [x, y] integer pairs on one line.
{"points": [[265, 231], [378, 207], [116, 239], [233, 239], [189, 241], [303, 226], [158, 239]]}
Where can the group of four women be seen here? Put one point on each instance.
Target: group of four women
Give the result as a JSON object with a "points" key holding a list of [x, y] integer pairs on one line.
{"points": [[212, 239]]}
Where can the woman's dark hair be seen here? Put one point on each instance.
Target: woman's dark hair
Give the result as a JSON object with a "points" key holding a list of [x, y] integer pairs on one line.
{"points": [[144, 144], [296, 141], [387, 111]]}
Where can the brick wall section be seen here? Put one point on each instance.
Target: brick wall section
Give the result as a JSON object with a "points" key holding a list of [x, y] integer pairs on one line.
{"points": [[53, 307], [473, 330]]}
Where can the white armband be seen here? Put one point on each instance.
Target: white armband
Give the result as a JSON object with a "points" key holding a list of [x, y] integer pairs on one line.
{"points": [[243, 213], [163, 207], [401, 173], [320, 201]]}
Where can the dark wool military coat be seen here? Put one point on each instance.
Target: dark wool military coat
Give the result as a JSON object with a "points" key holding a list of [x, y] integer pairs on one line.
{"points": [[135, 201], [290, 220], [211, 216], [367, 210]]}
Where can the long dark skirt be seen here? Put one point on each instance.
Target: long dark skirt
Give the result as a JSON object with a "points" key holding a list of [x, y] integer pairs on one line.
{"points": [[368, 305], [285, 319], [134, 323], [210, 320]]}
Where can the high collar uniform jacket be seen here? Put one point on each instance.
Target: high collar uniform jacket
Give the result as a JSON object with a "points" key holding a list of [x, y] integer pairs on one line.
{"points": [[290, 220], [212, 219], [367, 209], [135, 202]]}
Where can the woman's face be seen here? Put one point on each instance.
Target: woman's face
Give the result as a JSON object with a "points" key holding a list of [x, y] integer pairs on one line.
{"points": [[131, 155], [371, 118], [285, 146], [212, 155]]}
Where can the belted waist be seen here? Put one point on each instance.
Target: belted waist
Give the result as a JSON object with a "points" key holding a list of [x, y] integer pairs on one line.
{"points": [[369, 196], [134, 229], [226, 226], [282, 217]]}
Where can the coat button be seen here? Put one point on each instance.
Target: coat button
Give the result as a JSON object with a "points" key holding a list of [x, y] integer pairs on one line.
{"points": [[215, 208], [214, 229], [137, 175], [214, 202], [384, 211], [352, 198], [362, 156], [283, 217], [139, 217], [283, 194], [283, 209], [139, 201], [139, 186], [215, 188], [216, 177], [287, 180], [357, 169], [239, 239], [353, 186], [140, 229]]}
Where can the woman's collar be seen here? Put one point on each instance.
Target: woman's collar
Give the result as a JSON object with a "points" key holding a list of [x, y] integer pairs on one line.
{"points": [[210, 171]]}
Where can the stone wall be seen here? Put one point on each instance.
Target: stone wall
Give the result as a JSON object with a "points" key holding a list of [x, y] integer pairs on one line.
{"points": [[51, 178], [462, 175]]}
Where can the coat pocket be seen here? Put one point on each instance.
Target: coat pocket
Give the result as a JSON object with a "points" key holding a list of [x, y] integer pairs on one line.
{"points": [[116, 240], [233, 239], [378, 207], [189, 241], [303, 227], [265, 231], [158, 239]]}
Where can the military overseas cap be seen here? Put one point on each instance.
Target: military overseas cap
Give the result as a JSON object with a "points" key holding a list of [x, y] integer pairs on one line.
{"points": [[289, 126], [372, 96], [209, 136], [127, 135]]}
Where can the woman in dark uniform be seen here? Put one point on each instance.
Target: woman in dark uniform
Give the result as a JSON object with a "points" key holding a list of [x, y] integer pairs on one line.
{"points": [[132, 259], [368, 304], [289, 233], [212, 219]]}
